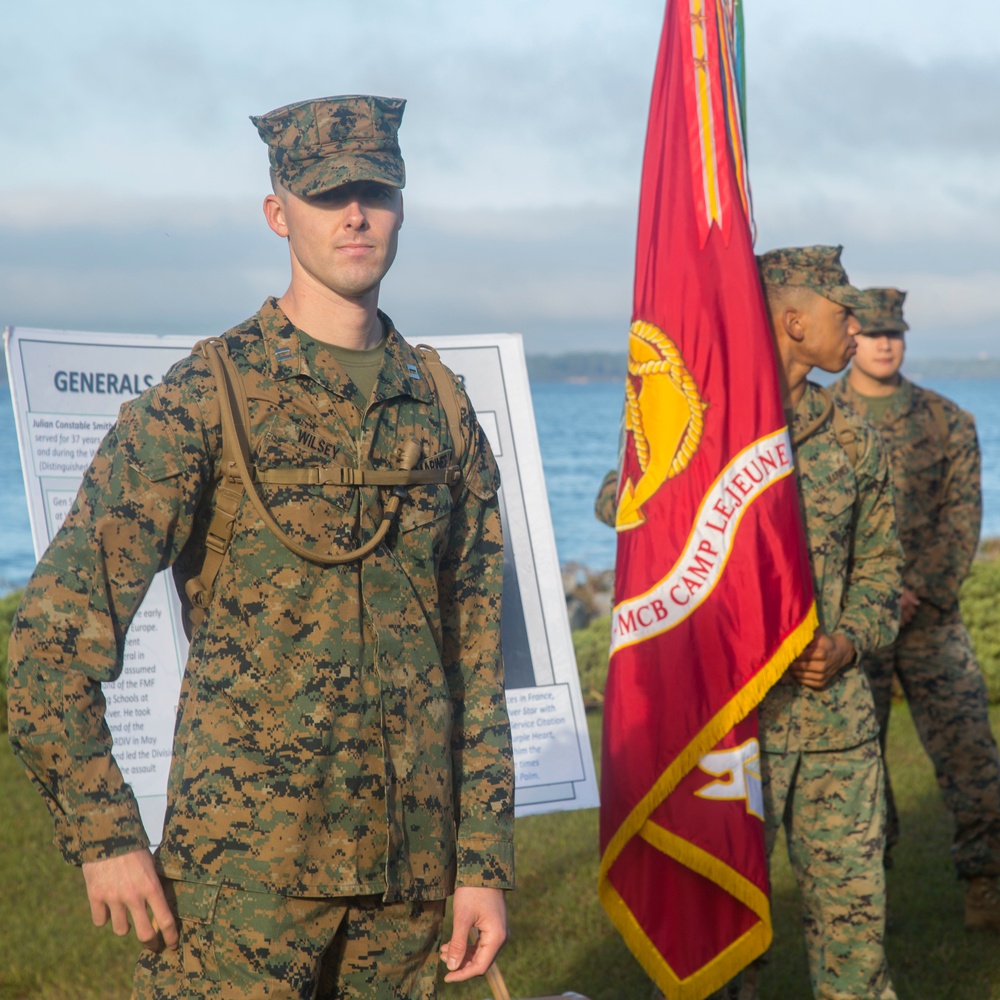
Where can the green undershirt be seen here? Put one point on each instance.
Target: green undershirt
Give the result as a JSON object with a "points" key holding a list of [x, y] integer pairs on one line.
{"points": [[362, 367], [876, 405]]}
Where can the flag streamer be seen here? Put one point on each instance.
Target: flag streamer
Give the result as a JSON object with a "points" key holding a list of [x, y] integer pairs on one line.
{"points": [[715, 109]]}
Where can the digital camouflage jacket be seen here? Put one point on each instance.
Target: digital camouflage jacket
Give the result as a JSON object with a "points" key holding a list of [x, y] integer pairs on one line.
{"points": [[856, 559], [935, 459], [341, 730]]}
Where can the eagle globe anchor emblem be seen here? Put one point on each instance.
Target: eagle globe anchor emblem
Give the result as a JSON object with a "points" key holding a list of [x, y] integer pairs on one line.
{"points": [[664, 417]]}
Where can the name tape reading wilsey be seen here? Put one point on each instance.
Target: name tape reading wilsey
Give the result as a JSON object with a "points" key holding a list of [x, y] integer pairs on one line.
{"points": [[694, 576]]}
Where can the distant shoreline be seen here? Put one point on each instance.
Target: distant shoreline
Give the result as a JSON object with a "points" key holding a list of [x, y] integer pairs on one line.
{"points": [[584, 367], [605, 366]]}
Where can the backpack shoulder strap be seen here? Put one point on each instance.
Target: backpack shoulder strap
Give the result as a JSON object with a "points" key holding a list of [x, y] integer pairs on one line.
{"points": [[940, 415], [230, 489], [846, 434], [444, 388], [842, 428]]}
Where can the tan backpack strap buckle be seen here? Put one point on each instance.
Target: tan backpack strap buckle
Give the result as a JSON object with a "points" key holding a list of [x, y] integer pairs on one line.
{"points": [[218, 543], [198, 596]]}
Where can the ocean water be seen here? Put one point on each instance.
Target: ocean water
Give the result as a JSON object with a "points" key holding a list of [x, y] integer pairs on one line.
{"points": [[578, 435]]}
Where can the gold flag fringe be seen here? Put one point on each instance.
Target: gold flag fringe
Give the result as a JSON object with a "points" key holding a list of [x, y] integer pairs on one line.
{"points": [[756, 941]]}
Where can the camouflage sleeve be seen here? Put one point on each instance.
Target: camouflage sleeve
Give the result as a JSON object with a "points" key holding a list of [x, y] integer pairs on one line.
{"points": [[470, 581], [946, 560], [130, 519], [870, 612], [607, 495]]}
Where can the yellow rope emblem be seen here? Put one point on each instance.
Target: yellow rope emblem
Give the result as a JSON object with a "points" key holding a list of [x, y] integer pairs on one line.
{"points": [[666, 402]]}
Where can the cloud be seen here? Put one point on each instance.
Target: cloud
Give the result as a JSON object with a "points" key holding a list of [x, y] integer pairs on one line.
{"points": [[132, 198], [893, 149], [509, 103], [856, 96], [560, 276], [944, 226], [563, 277], [949, 301], [112, 264], [896, 158]]}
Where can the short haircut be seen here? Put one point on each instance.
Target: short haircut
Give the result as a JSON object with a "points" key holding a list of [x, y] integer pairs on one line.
{"points": [[781, 296]]}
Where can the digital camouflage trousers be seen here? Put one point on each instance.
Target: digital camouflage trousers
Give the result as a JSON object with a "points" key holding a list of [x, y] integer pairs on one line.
{"points": [[945, 690], [253, 945], [832, 806]]}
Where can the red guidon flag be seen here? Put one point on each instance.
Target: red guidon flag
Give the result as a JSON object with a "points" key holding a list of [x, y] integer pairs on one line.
{"points": [[713, 593]]}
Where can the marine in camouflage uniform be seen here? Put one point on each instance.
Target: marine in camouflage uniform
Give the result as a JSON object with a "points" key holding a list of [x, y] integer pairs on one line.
{"points": [[605, 503], [342, 754], [822, 768], [935, 461]]}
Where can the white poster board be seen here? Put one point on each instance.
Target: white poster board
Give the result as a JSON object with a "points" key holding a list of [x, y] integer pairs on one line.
{"points": [[66, 388]]}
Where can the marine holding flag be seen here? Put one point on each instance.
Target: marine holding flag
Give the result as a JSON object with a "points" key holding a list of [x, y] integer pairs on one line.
{"points": [[713, 594], [822, 770]]}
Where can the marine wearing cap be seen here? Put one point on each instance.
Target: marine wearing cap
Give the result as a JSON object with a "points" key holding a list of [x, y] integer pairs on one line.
{"points": [[882, 311], [937, 467], [315, 146], [817, 724], [357, 791], [816, 267]]}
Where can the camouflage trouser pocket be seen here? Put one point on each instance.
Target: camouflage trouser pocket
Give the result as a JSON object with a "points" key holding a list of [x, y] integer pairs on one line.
{"points": [[241, 945], [194, 905]]}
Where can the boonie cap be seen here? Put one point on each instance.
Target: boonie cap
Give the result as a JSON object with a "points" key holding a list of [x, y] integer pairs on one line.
{"points": [[315, 146], [816, 267], [882, 311]]}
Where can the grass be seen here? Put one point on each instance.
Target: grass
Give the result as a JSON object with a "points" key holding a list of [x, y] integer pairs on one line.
{"points": [[561, 939], [981, 613], [48, 946]]}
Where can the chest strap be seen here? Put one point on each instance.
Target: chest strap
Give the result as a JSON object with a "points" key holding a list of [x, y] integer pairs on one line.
{"points": [[341, 475], [237, 480]]}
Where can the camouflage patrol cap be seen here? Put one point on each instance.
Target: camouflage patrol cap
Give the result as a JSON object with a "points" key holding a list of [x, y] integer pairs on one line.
{"points": [[882, 311], [816, 267], [315, 146]]}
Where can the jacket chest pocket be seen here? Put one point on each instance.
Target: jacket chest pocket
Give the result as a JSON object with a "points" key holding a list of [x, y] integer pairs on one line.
{"points": [[424, 521], [829, 505]]}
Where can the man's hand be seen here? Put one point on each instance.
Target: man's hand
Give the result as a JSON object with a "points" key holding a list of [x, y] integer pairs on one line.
{"points": [[486, 911], [908, 604], [125, 885], [822, 660]]}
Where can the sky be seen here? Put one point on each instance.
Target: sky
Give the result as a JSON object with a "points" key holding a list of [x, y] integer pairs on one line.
{"points": [[132, 178]]}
